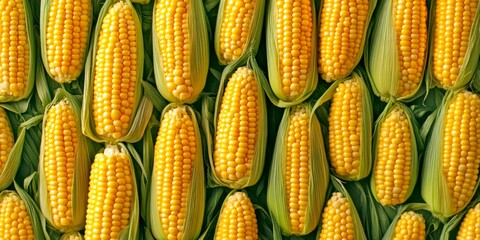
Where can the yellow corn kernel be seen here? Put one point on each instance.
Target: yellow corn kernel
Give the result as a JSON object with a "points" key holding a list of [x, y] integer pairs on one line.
{"points": [[411, 226], [115, 73], [451, 36], [461, 151], [411, 34], [60, 138], [342, 27], [345, 122], [110, 195], [469, 228], [237, 127], [6, 139], [392, 171], [15, 222], [15, 49], [174, 157], [67, 36], [235, 28], [337, 221], [237, 219]]}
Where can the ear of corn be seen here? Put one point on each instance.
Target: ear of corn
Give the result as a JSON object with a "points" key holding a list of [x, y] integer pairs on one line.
{"points": [[299, 173], [64, 165], [180, 54], [239, 28], [395, 154], [113, 107], [65, 34], [397, 53], [350, 128], [342, 30], [237, 218], [469, 227], [452, 158], [72, 236], [412, 221], [112, 210], [291, 51], [454, 53], [17, 62], [177, 194]]}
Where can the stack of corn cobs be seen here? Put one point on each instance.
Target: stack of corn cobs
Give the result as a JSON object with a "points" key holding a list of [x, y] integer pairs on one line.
{"points": [[239, 119]]}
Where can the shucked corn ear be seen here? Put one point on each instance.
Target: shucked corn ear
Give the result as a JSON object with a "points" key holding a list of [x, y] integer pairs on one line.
{"points": [[113, 209], [342, 30], [17, 61], [397, 53], [65, 156], [238, 154], [180, 49], [350, 129], [469, 227], [395, 154], [454, 46], [291, 50], [299, 174], [239, 28], [452, 157], [113, 107], [65, 34], [177, 194], [237, 218]]}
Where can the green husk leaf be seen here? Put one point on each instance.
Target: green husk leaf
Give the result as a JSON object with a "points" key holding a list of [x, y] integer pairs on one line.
{"points": [[416, 145], [318, 179], [142, 106], [254, 36], [381, 56], [141, 1], [34, 213], [196, 194], [154, 96], [72, 234], [199, 52], [261, 141], [84, 152], [273, 87], [450, 228]]}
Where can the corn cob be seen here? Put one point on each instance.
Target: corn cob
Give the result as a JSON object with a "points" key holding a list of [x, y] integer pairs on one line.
{"points": [[291, 48], [65, 36], [6, 139], [350, 123], [453, 60], [181, 49], [15, 221], [411, 225], [398, 48], [469, 228], [178, 193], [18, 50], [337, 222], [300, 165], [452, 159], [343, 25], [111, 196], [237, 219]]}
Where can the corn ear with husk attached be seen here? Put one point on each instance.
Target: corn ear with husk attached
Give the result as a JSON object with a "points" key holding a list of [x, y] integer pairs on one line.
{"points": [[464, 224], [292, 54], [72, 236], [114, 108], [18, 51], [180, 54], [396, 55], [452, 160], [178, 152], [413, 221], [237, 139], [231, 218], [65, 155], [297, 187], [239, 30], [396, 147]]}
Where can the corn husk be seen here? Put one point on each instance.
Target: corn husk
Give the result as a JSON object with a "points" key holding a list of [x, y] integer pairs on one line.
{"points": [[143, 107], [254, 36], [416, 146], [318, 177], [196, 193], [274, 87], [199, 53], [83, 155]]}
